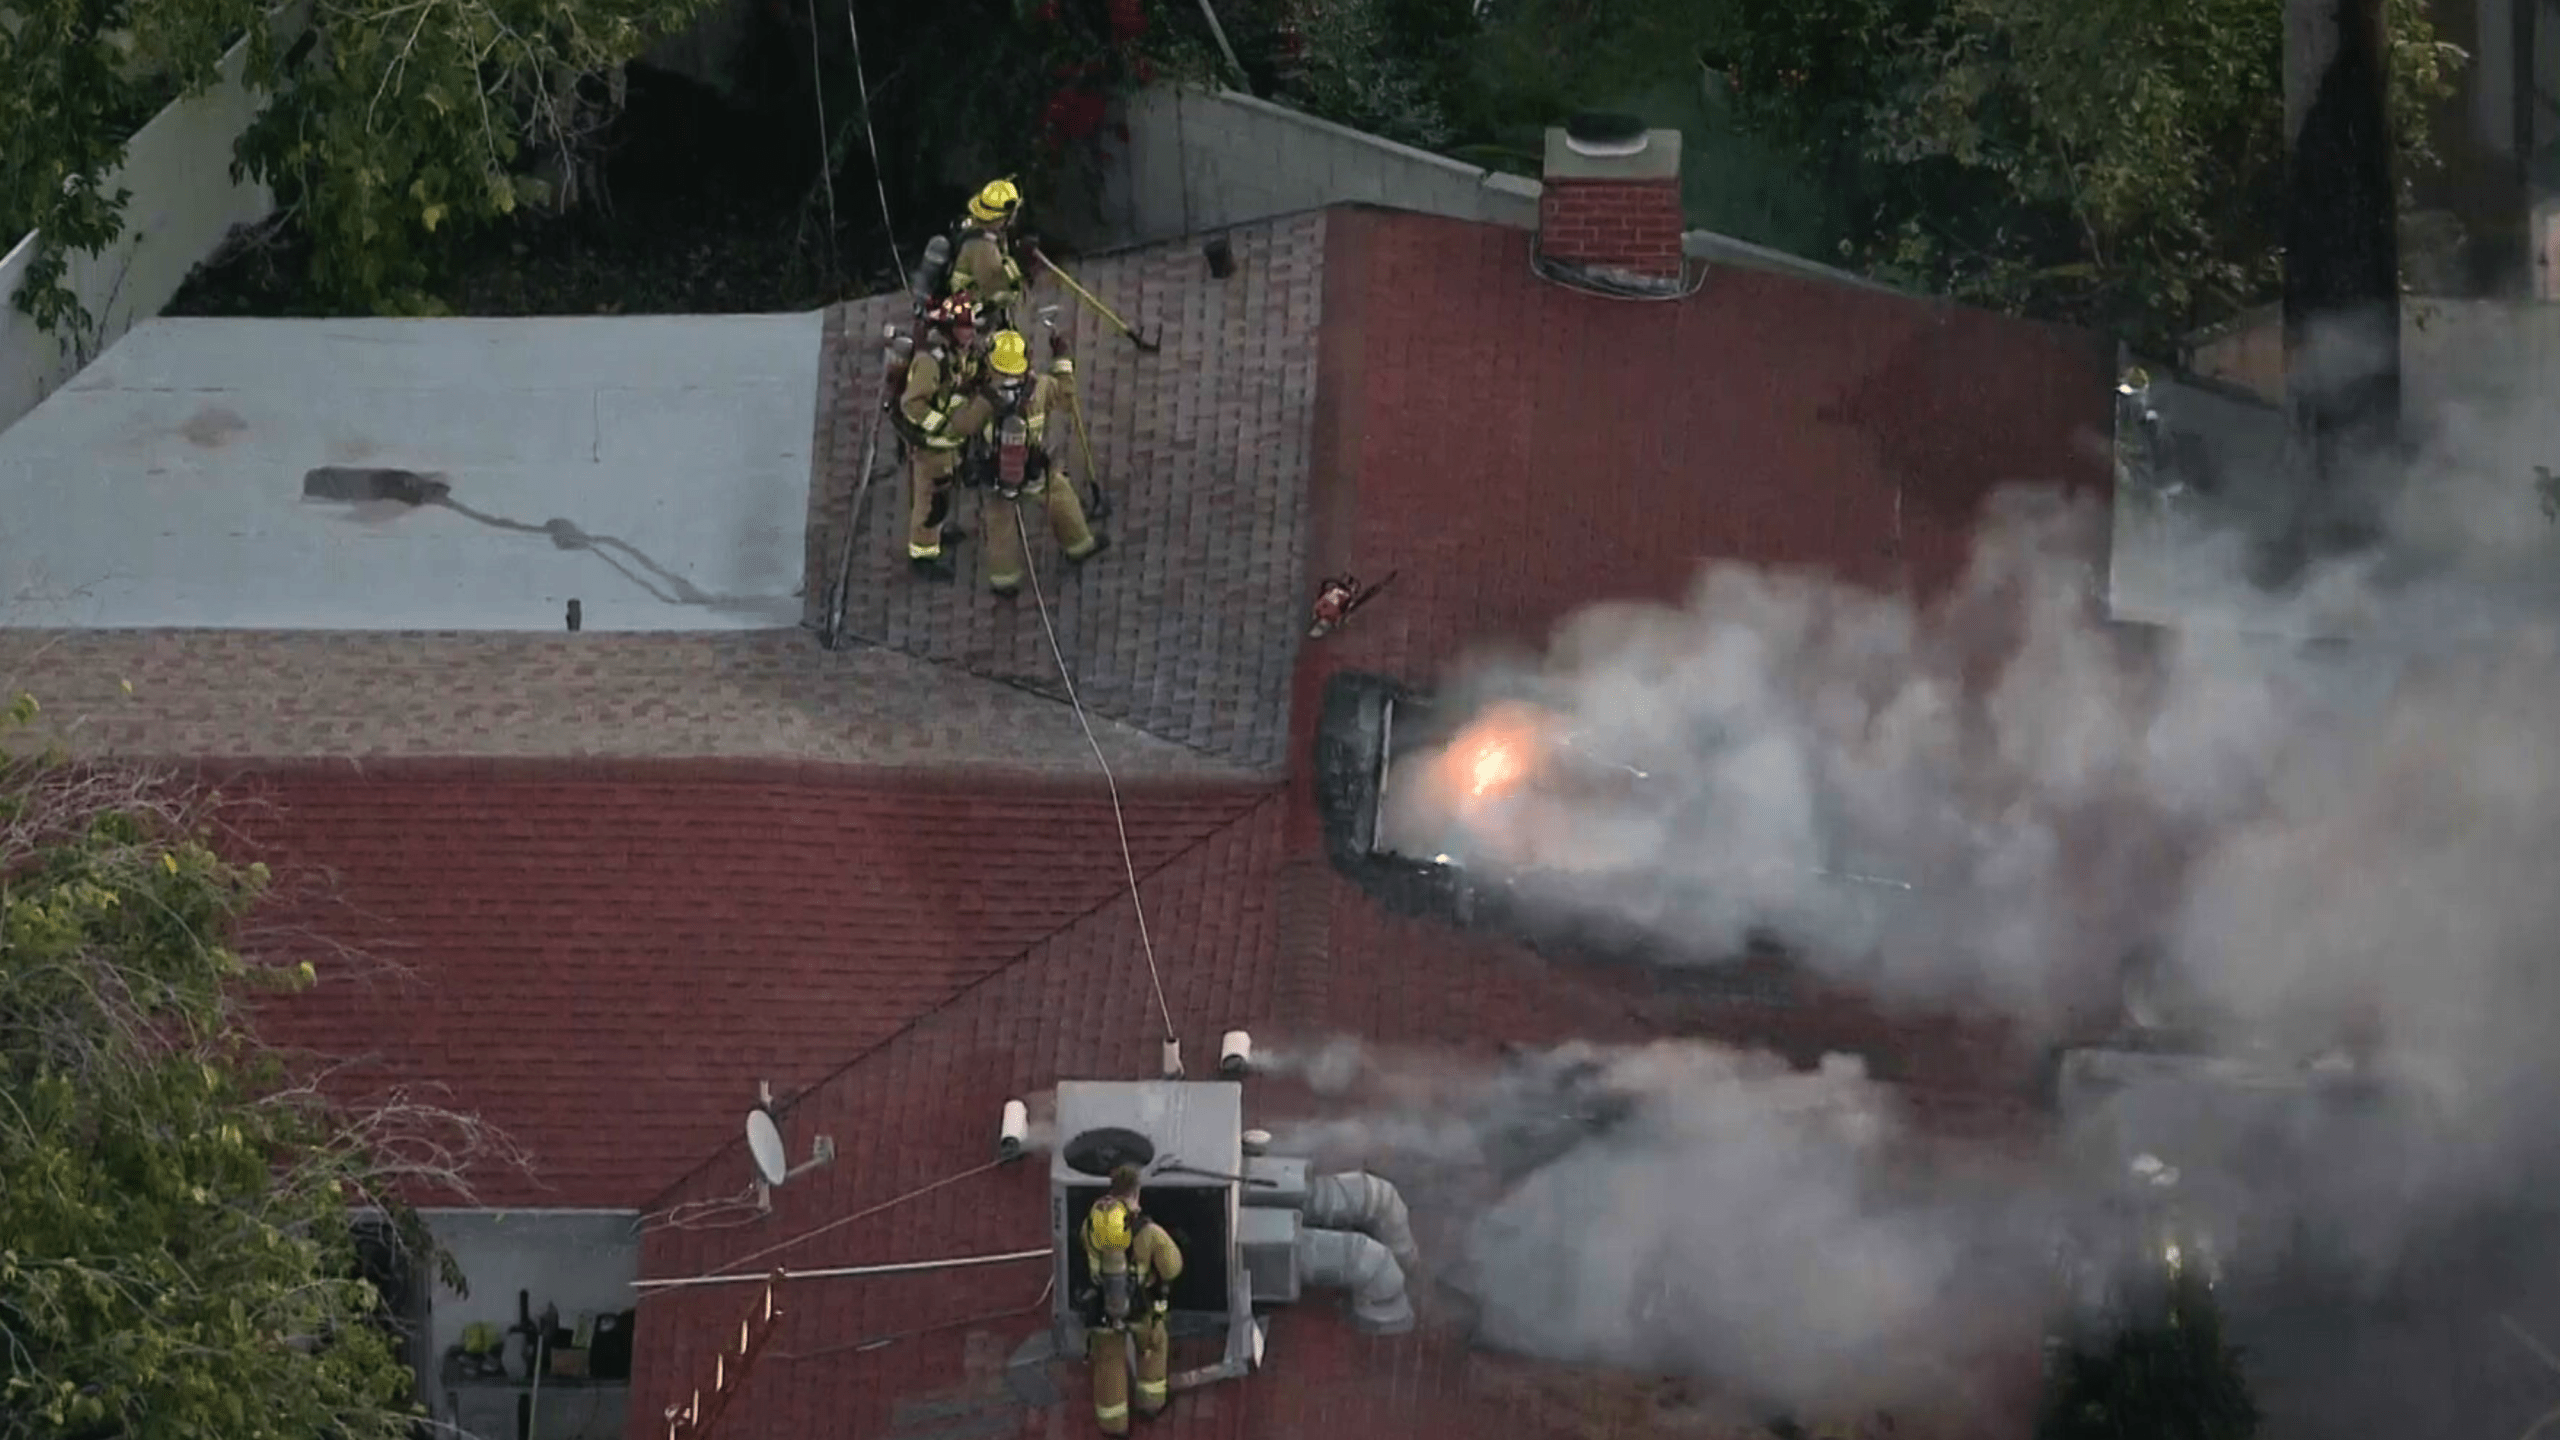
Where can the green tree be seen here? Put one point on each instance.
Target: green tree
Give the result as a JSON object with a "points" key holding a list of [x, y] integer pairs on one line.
{"points": [[403, 121], [179, 1220], [77, 78], [2172, 1377], [391, 124], [2109, 165]]}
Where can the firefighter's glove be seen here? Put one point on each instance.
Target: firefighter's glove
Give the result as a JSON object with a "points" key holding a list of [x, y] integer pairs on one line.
{"points": [[1060, 344]]}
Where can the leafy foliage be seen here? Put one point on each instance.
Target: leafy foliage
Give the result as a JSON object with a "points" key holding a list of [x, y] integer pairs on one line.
{"points": [[391, 123], [2118, 166], [178, 1230], [77, 78], [2174, 1378], [2123, 165], [408, 118], [1342, 59]]}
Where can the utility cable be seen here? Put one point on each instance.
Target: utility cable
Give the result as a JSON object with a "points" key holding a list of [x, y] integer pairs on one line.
{"points": [[697, 1214], [877, 1342], [1570, 278], [871, 137], [840, 1272], [826, 138], [844, 1220], [1128, 862]]}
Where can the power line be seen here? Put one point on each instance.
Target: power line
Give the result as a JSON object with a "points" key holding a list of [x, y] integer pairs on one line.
{"points": [[1128, 863], [840, 1272], [871, 137], [826, 139], [844, 1220]]}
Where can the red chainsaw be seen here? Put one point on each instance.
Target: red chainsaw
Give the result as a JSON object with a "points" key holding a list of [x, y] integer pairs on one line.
{"points": [[1338, 599]]}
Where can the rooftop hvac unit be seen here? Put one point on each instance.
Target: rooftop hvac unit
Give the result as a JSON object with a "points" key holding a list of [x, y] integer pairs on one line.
{"points": [[1255, 1230], [1188, 1139]]}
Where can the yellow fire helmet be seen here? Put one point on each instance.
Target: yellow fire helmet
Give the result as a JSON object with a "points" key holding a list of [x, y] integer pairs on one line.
{"points": [[1009, 353], [1107, 1228], [997, 201]]}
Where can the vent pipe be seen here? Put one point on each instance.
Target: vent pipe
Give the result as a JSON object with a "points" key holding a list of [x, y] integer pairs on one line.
{"points": [[1348, 1260], [1359, 1201]]}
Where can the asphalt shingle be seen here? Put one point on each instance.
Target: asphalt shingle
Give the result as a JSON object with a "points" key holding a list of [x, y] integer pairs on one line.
{"points": [[922, 1109], [773, 695], [1188, 628], [562, 952]]}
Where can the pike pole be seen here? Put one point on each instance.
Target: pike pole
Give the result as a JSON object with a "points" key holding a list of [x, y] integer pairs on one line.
{"points": [[837, 594]]}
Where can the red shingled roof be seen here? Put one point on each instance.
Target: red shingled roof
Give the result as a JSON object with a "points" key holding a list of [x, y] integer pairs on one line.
{"points": [[603, 960], [901, 955], [1516, 450]]}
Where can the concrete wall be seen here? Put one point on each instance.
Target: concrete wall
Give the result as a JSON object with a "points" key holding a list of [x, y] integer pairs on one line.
{"points": [[580, 1260], [184, 203], [1197, 161]]}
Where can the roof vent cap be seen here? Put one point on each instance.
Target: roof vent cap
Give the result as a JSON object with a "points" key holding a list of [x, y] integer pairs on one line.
{"points": [[1605, 134], [1099, 1151]]}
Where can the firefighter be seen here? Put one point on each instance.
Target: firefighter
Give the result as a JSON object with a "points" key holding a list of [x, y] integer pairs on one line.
{"points": [[1133, 1264], [1013, 458], [937, 412], [984, 267]]}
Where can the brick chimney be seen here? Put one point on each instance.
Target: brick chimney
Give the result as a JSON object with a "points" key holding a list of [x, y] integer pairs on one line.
{"points": [[1610, 208]]}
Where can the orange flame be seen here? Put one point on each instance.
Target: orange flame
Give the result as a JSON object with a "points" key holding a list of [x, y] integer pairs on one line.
{"points": [[1494, 755]]}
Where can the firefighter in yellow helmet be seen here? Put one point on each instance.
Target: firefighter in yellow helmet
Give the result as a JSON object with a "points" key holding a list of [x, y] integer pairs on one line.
{"points": [[1014, 459], [984, 268], [1133, 1264], [937, 412]]}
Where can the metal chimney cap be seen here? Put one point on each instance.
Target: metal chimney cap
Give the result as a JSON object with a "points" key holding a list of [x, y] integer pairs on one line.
{"points": [[1606, 135]]}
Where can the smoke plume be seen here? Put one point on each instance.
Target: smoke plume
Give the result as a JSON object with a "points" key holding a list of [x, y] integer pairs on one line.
{"points": [[1999, 800]]}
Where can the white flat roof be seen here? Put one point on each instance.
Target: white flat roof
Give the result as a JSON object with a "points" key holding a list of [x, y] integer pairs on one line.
{"points": [[656, 468]]}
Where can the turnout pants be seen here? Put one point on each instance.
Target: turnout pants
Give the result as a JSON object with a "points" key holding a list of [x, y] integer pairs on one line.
{"points": [[1055, 492], [1155, 1347], [929, 474], [1108, 1353]]}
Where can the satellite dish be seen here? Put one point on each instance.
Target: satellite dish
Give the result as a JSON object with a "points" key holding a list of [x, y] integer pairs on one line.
{"points": [[764, 1142]]}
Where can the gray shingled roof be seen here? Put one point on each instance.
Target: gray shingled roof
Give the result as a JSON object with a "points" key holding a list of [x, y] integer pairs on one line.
{"points": [[1188, 628], [762, 694]]}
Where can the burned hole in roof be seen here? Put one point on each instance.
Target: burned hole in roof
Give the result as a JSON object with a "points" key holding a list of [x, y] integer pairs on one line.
{"points": [[1389, 756]]}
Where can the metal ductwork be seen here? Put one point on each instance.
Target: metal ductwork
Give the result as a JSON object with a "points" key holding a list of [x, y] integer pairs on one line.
{"points": [[1361, 1265], [1255, 1230], [1357, 1200]]}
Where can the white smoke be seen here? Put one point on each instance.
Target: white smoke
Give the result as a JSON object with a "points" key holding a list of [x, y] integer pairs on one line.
{"points": [[1694, 1209], [2326, 847], [1985, 802]]}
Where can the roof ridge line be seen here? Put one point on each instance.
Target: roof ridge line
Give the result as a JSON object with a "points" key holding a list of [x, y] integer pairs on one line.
{"points": [[1267, 795], [1029, 688]]}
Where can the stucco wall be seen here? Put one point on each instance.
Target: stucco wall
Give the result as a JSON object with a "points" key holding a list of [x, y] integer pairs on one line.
{"points": [[184, 201], [1197, 161]]}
